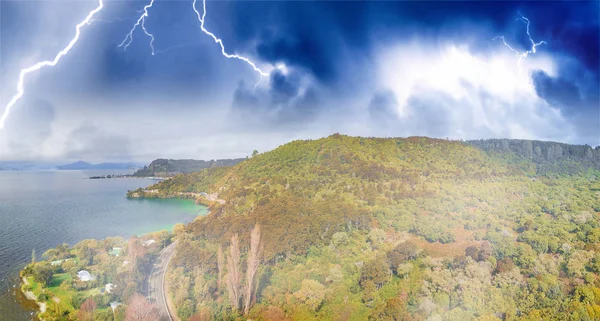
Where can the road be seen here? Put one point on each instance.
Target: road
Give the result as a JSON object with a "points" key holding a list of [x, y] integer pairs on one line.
{"points": [[156, 282]]}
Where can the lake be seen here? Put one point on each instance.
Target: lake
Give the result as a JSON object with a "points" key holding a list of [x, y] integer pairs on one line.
{"points": [[42, 209]]}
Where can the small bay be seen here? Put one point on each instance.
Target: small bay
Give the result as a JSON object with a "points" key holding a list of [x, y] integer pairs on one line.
{"points": [[42, 209]]}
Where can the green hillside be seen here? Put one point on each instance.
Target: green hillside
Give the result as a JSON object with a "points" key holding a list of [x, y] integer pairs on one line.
{"points": [[391, 229], [171, 167]]}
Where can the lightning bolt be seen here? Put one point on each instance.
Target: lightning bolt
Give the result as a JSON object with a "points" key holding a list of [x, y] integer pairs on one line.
{"points": [[220, 42], [524, 54], [50, 63], [141, 20]]}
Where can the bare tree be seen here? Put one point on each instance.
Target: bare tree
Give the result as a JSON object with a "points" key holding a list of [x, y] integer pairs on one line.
{"points": [[253, 262], [233, 272], [86, 311], [135, 251], [140, 309], [220, 265]]}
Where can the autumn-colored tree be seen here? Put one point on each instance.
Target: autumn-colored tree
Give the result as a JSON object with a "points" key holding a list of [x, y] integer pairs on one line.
{"points": [[140, 309], [202, 315], [473, 252], [253, 262], [234, 273], [311, 293], [86, 312], [403, 252], [135, 250], [376, 271], [220, 265]]}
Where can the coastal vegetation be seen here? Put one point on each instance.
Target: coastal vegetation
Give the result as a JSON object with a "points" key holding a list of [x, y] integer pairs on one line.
{"points": [[352, 228], [94, 280], [171, 167], [394, 229]]}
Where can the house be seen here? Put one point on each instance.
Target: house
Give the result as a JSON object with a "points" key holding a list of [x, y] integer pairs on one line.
{"points": [[109, 287], [116, 251], [58, 262], [114, 305], [148, 243], [85, 276]]}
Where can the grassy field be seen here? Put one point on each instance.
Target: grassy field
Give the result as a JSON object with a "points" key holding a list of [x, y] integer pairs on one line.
{"points": [[62, 298]]}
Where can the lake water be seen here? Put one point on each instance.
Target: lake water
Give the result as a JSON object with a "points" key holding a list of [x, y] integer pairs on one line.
{"points": [[42, 209]]}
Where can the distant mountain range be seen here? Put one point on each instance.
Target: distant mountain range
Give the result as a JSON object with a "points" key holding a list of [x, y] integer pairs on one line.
{"points": [[157, 168], [81, 165], [25, 166], [171, 167]]}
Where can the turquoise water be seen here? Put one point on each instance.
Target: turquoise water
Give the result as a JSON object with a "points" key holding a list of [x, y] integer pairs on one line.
{"points": [[42, 209]]}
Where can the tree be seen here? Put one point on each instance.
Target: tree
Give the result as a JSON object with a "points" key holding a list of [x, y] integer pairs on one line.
{"points": [[403, 252], [43, 272], [577, 262], [233, 272], [473, 252], [86, 312], [139, 309], [104, 315], [505, 265], [135, 250], [376, 271], [254, 153], [220, 265], [311, 293], [253, 262]]}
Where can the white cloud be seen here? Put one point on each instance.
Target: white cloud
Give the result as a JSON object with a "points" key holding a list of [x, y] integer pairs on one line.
{"points": [[466, 95]]}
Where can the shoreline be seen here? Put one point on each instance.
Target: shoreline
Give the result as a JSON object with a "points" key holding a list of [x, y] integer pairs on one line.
{"points": [[110, 176], [30, 296], [42, 306]]}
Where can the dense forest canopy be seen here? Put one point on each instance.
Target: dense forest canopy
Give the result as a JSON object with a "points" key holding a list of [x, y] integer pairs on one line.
{"points": [[394, 229], [170, 167]]}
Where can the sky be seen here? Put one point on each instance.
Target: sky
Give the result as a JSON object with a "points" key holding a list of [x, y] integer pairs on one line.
{"points": [[456, 70]]}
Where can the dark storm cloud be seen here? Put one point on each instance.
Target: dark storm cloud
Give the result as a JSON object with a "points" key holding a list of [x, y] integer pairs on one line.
{"points": [[383, 111], [558, 91], [577, 97], [332, 50], [283, 88], [286, 101], [570, 28]]}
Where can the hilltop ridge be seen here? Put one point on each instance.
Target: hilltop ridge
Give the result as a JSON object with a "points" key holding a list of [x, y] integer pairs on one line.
{"points": [[170, 167], [408, 227]]}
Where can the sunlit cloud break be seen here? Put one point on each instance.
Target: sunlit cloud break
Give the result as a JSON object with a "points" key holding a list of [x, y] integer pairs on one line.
{"points": [[141, 20], [39, 65]]}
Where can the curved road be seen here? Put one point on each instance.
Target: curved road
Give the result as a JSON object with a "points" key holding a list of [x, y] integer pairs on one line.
{"points": [[156, 282]]}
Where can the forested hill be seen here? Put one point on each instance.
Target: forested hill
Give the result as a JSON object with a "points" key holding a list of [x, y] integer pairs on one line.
{"points": [[391, 229], [549, 156], [170, 167]]}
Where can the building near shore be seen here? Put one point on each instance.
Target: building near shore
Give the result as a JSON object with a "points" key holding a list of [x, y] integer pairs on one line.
{"points": [[148, 243], [59, 262], [116, 251], [85, 276]]}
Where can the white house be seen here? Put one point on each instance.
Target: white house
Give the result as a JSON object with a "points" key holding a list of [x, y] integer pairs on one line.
{"points": [[59, 262], [109, 287], [148, 243], [114, 305], [85, 276]]}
